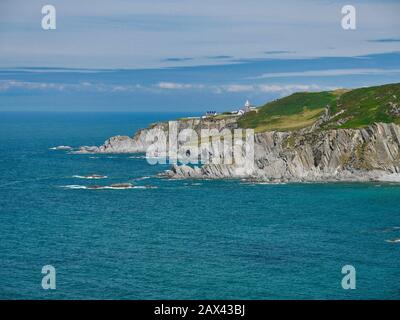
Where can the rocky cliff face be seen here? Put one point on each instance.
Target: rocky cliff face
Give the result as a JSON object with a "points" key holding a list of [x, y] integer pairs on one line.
{"points": [[369, 154], [312, 154], [138, 143]]}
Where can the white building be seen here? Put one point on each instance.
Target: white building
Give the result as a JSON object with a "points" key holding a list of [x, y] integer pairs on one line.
{"points": [[210, 114], [247, 106]]}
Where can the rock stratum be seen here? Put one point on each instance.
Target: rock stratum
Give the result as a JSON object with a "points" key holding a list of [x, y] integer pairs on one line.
{"points": [[346, 135]]}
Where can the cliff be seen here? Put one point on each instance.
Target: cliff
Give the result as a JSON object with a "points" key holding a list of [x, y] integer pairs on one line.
{"points": [[330, 136], [368, 154]]}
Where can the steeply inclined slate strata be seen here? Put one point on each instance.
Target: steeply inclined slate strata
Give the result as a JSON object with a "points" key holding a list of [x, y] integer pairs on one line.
{"points": [[368, 154], [311, 154]]}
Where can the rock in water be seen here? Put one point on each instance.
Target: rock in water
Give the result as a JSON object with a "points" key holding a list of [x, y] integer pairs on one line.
{"points": [[121, 186], [94, 187]]}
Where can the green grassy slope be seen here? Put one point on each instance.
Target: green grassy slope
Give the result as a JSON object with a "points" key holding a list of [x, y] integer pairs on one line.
{"points": [[365, 106], [357, 108]]}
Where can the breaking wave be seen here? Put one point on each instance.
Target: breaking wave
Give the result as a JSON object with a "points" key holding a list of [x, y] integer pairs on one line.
{"points": [[142, 178], [393, 240], [74, 186], [111, 187], [92, 176], [62, 148], [388, 229]]}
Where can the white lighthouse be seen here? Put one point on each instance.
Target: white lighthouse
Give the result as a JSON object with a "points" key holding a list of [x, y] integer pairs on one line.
{"points": [[247, 106]]}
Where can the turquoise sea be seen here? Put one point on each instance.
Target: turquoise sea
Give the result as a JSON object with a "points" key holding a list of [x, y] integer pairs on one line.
{"points": [[182, 239]]}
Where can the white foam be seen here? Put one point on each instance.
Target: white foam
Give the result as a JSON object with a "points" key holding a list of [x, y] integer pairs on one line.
{"points": [[193, 184], [74, 186], [391, 229], [116, 188], [61, 148], [142, 178], [264, 183], [393, 240], [96, 177]]}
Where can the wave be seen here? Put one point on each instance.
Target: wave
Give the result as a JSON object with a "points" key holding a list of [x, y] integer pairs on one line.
{"points": [[11, 183], [62, 148], [145, 187], [393, 240], [116, 186], [74, 186], [264, 183], [142, 178], [147, 157], [92, 176], [392, 229], [193, 184], [389, 229]]}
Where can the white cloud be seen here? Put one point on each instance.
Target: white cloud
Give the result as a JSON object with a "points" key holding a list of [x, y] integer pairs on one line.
{"points": [[178, 86], [292, 87], [328, 73], [237, 88], [13, 84], [139, 34], [87, 86], [271, 88], [173, 85]]}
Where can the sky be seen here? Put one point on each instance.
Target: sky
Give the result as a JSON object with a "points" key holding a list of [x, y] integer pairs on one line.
{"points": [[186, 55]]}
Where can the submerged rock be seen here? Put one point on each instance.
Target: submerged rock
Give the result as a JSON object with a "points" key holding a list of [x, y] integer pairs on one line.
{"points": [[94, 187], [121, 186], [113, 186]]}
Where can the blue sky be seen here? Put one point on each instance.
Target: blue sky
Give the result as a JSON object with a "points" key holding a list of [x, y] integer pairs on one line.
{"points": [[189, 55]]}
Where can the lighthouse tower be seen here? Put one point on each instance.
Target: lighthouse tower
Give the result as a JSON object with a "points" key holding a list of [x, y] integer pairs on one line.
{"points": [[247, 106]]}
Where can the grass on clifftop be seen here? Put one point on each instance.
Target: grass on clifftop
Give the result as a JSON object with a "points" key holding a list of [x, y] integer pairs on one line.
{"points": [[364, 106], [354, 108], [296, 111]]}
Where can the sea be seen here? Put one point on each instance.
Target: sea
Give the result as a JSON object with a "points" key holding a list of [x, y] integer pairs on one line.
{"points": [[178, 239]]}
